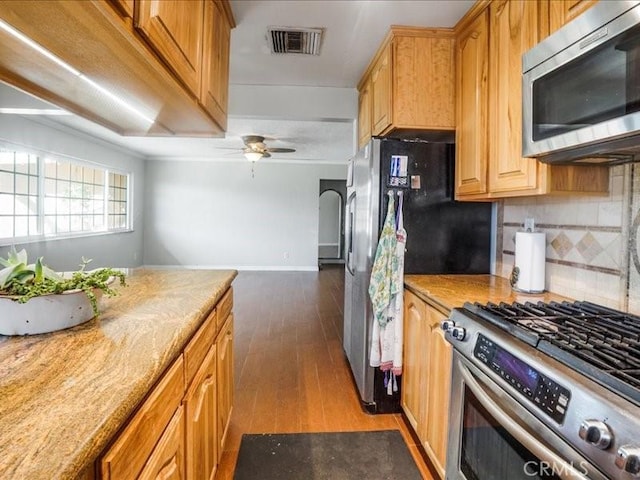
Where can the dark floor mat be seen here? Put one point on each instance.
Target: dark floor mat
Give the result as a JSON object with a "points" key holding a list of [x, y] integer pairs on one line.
{"points": [[379, 455]]}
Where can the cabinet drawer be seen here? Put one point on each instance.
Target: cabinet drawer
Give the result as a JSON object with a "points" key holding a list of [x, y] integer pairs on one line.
{"points": [[130, 452], [199, 345], [225, 305]]}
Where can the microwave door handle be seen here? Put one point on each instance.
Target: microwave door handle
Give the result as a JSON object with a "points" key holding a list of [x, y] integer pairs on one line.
{"points": [[520, 434]]}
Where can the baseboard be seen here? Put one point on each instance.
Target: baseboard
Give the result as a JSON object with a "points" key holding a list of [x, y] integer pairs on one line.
{"points": [[265, 268]]}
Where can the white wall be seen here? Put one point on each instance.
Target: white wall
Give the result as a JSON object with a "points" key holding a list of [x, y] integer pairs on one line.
{"points": [[115, 250], [214, 214]]}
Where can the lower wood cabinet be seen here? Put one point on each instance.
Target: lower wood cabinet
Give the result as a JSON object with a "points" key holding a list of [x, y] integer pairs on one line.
{"points": [[201, 430], [224, 346], [168, 458], [426, 377], [179, 430]]}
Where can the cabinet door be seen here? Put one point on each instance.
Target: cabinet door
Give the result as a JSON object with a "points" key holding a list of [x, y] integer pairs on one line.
{"points": [[423, 81], [224, 346], [174, 29], [412, 396], [364, 114], [515, 26], [167, 460], [201, 421], [134, 446], [381, 101], [439, 384], [562, 12], [215, 67], [472, 59]]}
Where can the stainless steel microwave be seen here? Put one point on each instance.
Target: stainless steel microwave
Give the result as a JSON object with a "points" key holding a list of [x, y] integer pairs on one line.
{"points": [[581, 89]]}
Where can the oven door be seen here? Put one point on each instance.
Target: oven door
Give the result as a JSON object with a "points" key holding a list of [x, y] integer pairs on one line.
{"points": [[492, 436]]}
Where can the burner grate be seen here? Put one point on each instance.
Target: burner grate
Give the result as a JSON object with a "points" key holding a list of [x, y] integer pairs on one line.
{"points": [[597, 341]]}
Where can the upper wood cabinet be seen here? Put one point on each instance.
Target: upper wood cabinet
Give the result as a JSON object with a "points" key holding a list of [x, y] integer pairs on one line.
{"points": [[149, 55], [381, 94], [411, 84], [364, 113], [563, 11], [214, 89], [489, 162], [515, 27], [472, 94], [175, 30]]}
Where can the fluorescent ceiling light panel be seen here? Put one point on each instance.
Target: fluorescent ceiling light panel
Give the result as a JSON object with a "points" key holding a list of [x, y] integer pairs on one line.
{"points": [[27, 41], [34, 111]]}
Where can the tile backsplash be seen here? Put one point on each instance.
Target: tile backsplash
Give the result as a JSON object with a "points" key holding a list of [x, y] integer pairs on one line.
{"points": [[591, 241]]}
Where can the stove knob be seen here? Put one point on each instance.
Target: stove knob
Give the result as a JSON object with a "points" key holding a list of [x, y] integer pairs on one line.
{"points": [[628, 459], [447, 325], [596, 433], [458, 333]]}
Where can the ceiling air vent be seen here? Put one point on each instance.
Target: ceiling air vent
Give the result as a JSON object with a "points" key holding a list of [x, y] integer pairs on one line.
{"points": [[305, 41]]}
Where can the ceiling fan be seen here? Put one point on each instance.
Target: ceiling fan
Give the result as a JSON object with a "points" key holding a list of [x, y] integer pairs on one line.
{"points": [[255, 148]]}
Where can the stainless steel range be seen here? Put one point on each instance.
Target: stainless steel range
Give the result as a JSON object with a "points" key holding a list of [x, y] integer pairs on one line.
{"points": [[544, 390]]}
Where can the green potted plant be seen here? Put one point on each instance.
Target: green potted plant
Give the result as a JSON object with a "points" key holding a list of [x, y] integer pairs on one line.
{"points": [[35, 299]]}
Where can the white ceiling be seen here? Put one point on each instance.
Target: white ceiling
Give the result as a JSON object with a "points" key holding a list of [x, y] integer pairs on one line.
{"points": [[353, 30]]}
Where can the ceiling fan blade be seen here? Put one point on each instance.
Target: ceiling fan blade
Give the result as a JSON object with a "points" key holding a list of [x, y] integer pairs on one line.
{"points": [[280, 150], [252, 139], [266, 154]]}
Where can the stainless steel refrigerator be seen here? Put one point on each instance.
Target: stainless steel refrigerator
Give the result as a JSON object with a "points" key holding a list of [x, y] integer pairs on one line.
{"points": [[443, 236]]}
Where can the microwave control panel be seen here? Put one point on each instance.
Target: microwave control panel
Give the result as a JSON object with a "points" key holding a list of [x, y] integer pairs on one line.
{"points": [[543, 392]]}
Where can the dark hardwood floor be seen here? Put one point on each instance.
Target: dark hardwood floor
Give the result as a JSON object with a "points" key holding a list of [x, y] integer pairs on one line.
{"points": [[291, 374]]}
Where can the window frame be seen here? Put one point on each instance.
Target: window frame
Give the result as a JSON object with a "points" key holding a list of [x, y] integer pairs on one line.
{"points": [[43, 156]]}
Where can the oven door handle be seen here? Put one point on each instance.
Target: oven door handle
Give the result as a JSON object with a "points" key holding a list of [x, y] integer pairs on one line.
{"points": [[539, 450]]}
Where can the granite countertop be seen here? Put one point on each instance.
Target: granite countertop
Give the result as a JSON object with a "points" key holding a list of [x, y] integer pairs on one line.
{"points": [[64, 395], [446, 292]]}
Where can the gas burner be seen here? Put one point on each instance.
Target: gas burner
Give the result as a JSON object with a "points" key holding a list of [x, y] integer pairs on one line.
{"points": [[597, 341]]}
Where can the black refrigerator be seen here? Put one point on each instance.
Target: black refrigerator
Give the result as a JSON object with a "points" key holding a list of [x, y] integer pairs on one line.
{"points": [[443, 237]]}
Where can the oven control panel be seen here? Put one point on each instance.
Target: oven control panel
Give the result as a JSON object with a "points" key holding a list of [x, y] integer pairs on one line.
{"points": [[543, 392]]}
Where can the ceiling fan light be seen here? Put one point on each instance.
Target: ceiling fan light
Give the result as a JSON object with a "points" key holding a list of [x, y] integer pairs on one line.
{"points": [[253, 156]]}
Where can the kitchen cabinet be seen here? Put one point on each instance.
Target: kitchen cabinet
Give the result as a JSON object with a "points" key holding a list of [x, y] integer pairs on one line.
{"points": [[426, 377], [214, 89], [472, 59], [201, 421], [179, 430], [411, 84], [137, 443], [175, 29], [562, 12], [160, 67], [489, 162], [364, 113], [414, 361], [224, 346], [167, 460], [438, 386]]}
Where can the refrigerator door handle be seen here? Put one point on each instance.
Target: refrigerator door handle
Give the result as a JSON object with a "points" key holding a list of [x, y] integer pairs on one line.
{"points": [[349, 232]]}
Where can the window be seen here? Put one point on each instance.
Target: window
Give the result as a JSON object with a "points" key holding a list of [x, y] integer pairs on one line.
{"points": [[50, 197]]}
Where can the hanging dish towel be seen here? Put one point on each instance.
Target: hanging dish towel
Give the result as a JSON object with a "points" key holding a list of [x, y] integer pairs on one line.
{"points": [[385, 288], [398, 317], [389, 338]]}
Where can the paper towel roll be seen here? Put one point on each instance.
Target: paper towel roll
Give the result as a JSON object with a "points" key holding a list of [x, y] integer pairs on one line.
{"points": [[530, 260]]}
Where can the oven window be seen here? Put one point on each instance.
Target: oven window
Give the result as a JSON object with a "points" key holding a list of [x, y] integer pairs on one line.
{"points": [[600, 85], [489, 452]]}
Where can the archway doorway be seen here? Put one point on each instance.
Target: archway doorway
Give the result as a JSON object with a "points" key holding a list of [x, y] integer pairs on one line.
{"points": [[331, 221]]}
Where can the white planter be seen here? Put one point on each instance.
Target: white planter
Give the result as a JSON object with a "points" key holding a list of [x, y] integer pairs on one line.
{"points": [[46, 313]]}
